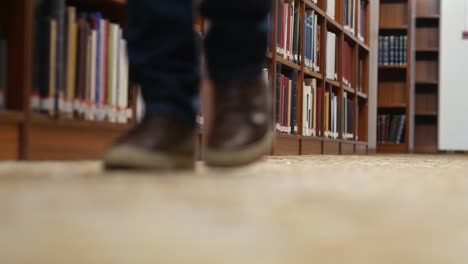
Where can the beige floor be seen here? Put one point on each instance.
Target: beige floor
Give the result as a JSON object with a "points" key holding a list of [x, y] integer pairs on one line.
{"points": [[376, 210]]}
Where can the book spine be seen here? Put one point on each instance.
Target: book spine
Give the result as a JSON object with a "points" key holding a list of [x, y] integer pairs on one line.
{"points": [[59, 11], [3, 73], [278, 93]]}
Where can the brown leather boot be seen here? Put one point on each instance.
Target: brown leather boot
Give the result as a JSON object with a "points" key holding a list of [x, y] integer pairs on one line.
{"points": [[157, 143], [242, 129]]}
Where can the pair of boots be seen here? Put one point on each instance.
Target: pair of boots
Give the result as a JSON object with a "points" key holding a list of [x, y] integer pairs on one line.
{"points": [[241, 133]]}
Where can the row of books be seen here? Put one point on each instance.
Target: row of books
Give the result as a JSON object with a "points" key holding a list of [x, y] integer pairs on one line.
{"points": [[286, 102], [331, 70], [348, 117], [312, 41], [331, 113], [312, 97], [350, 12], [81, 66], [288, 29], [3, 73], [392, 50], [331, 7], [390, 128], [349, 15], [319, 108], [360, 77], [347, 64], [362, 9]]}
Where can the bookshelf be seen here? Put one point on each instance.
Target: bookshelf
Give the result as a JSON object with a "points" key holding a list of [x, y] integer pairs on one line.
{"points": [[426, 76], [26, 135], [395, 79]]}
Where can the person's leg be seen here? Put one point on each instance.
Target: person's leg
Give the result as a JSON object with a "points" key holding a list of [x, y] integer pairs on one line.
{"points": [[164, 61], [236, 52]]}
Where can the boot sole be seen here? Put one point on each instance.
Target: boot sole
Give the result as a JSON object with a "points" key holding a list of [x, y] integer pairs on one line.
{"points": [[245, 156], [131, 158]]}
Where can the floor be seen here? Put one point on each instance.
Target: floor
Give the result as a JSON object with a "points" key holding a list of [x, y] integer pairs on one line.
{"points": [[318, 209]]}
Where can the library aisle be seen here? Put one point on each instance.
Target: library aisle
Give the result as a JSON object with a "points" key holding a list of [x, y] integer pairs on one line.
{"points": [[307, 209]]}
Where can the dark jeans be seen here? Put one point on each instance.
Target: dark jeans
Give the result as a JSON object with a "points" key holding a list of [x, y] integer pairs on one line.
{"points": [[164, 53]]}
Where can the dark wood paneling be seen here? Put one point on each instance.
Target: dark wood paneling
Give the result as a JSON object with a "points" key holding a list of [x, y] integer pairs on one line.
{"points": [[68, 141], [331, 147], [361, 149], [347, 148], [427, 71], [393, 13], [311, 146], [392, 148], [427, 7], [286, 146], [9, 140], [427, 38], [425, 133]]}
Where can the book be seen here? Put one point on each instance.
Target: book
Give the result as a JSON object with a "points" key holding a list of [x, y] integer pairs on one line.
{"points": [[401, 128], [71, 61], [331, 56], [3, 72], [94, 81], [392, 50]]}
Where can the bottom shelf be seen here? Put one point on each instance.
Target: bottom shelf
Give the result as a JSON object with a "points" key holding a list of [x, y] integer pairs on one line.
{"points": [[392, 148], [426, 149], [10, 131], [68, 139]]}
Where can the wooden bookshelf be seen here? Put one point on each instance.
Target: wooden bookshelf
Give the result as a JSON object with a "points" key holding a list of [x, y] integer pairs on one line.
{"points": [[426, 87], [394, 88], [26, 135]]}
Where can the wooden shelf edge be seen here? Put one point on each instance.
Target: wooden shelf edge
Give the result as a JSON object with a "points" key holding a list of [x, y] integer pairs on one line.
{"points": [[283, 135], [38, 119], [315, 7], [338, 140], [333, 83], [427, 82], [392, 106], [426, 113], [427, 49], [428, 17], [392, 67], [393, 27], [288, 63], [335, 25], [361, 95], [312, 138], [349, 89], [313, 74]]}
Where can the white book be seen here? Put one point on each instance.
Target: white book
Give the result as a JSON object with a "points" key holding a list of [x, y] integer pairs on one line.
{"points": [[114, 42], [70, 60], [48, 103], [305, 124], [124, 80], [311, 109], [314, 111], [314, 43], [93, 72], [291, 30]]}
